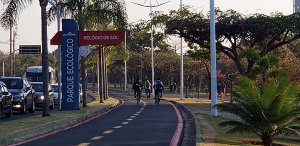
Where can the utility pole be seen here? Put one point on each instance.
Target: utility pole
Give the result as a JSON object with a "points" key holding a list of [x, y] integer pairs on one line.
{"points": [[181, 63], [14, 55], [152, 61], [125, 69], [57, 8], [10, 49], [213, 73]]}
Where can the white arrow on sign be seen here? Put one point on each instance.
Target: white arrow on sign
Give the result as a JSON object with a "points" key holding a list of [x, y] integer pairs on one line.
{"points": [[84, 51]]}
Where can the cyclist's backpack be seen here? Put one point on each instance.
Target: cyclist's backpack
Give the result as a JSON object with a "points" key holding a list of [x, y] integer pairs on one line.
{"points": [[159, 85]]}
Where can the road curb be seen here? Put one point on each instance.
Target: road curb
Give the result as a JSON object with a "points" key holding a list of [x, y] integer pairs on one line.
{"points": [[187, 137], [52, 128], [177, 137]]}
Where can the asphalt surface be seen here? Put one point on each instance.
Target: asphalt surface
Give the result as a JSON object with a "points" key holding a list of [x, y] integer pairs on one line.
{"points": [[145, 124]]}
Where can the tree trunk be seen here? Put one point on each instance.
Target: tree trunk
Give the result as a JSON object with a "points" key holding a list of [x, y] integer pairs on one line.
{"points": [[83, 82], [100, 79], [93, 78], [45, 60], [266, 139]]}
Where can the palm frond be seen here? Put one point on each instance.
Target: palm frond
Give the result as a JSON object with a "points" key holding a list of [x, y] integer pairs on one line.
{"points": [[13, 8]]}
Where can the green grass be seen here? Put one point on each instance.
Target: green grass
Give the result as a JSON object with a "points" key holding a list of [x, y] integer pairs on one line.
{"points": [[224, 138], [17, 130]]}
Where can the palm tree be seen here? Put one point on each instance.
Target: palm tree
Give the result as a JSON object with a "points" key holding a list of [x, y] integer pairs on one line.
{"points": [[91, 13], [268, 113], [9, 18]]}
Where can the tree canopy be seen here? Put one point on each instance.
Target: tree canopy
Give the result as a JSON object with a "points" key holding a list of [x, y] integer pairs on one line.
{"points": [[235, 33]]}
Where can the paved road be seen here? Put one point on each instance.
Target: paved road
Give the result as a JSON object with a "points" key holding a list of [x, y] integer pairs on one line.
{"points": [[145, 124]]}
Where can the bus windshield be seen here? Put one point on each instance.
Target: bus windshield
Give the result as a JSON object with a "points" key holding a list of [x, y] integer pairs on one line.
{"points": [[35, 77]]}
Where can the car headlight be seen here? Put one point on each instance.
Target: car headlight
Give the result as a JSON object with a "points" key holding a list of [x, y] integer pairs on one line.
{"points": [[42, 97]]}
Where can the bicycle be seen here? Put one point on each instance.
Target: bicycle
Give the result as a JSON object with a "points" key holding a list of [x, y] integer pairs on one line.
{"points": [[138, 97], [158, 96], [147, 91]]}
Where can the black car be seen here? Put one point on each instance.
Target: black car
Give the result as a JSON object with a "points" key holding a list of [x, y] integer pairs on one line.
{"points": [[23, 94], [6, 106], [39, 100]]}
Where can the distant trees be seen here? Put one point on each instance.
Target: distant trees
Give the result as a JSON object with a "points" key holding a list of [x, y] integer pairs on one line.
{"points": [[235, 33]]}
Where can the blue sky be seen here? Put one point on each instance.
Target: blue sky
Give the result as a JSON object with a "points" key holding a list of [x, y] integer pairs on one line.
{"points": [[29, 31]]}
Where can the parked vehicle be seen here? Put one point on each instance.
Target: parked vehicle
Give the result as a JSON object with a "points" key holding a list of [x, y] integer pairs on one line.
{"points": [[35, 74], [39, 100], [6, 107], [23, 94], [54, 88]]}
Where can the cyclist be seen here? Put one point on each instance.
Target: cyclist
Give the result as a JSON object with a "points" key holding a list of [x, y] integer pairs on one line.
{"points": [[137, 88], [158, 88], [148, 88]]}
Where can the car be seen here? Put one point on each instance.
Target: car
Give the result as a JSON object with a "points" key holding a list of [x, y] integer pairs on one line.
{"points": [[6, 106], [54, 88], [39, 100], [23, 94]]}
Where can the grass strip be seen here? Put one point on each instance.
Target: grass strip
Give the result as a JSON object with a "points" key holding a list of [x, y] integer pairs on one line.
{"points": [[19, 130]]}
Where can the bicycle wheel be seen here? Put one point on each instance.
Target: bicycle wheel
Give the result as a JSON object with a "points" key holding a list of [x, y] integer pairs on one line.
{"points": [[158, 97], [138, 98]]}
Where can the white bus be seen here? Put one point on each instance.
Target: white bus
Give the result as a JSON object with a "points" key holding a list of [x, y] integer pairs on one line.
{"points": [[35, 74]]}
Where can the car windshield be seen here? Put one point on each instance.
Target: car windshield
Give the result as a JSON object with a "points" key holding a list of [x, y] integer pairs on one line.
{"points": [[37, 87], [54, 88], [13, 83]]}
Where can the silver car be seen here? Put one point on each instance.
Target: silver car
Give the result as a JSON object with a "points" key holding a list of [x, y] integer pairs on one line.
{"points": [[39, 100]]}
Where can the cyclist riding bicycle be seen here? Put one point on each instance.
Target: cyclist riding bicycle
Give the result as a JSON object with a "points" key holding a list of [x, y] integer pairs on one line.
{"points": [[158, 88], [137, 88], [148, 88]]}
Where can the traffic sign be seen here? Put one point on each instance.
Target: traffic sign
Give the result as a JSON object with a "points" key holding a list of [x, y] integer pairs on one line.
{"points": [[84, 51], [29, 49], [94, 38]]}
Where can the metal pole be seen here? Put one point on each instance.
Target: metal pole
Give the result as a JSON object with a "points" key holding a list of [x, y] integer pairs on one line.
{"points": [[294, 9], [59, 59], [213, 75], [14, 56], [152, 61], [181, 63], [10, 50], [3, 69], [57, 8], [125, 69]]}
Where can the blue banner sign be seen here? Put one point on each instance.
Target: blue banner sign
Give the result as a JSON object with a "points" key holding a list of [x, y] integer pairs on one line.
{"points": [[70, 65]]}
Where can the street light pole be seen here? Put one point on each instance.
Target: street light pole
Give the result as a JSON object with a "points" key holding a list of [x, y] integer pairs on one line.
{"points": [[57, 8], [213, 61], [181, 62], [152, 62], [125, 69]]}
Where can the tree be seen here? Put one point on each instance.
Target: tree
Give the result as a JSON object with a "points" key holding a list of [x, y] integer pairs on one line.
{"points": [[139, 38], [9, 18], [92, 14], [268, 113], [234, 32]]}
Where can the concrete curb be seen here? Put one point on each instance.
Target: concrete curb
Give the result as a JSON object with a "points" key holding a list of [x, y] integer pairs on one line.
{"points": [[190, 118], [177, 137], [54, 127]]}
